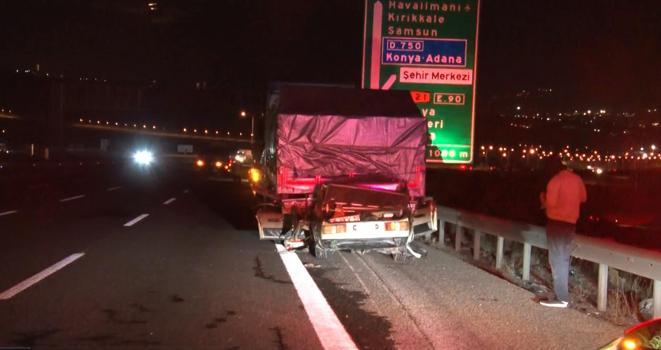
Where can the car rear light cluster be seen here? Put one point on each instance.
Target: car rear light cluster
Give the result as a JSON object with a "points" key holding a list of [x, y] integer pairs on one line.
{"points": [[200, 163], [331, 229], [397, 226]]}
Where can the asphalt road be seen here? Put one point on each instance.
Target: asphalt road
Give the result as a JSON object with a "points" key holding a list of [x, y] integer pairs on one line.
{"points": [[192, 274]]}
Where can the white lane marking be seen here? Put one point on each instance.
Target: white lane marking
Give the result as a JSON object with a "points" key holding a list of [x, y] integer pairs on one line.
{"points": [[8, 212], [329, 329], [382, 282], [169, 201], [110, 189], [360, 280], [72, 198], [135, 221], [396, 301], [40, 276]]}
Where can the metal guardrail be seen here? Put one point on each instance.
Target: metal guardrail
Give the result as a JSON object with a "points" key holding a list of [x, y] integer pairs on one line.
{"points": [[606, 253]]}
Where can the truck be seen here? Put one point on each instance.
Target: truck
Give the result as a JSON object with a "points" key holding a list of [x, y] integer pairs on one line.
{"points": [[343, 169]]}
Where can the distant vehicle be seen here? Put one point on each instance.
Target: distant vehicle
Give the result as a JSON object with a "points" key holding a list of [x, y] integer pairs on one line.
{"points": [[241, 163], [343, 169], [646, 335], [211, 164], [244, 156]]}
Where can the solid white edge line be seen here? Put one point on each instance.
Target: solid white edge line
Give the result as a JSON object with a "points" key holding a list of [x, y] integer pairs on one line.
{"points": [[72, 198], [9, 293], [110, 189], [135, 221], [169, 201], [8, 212], [329, 329]]}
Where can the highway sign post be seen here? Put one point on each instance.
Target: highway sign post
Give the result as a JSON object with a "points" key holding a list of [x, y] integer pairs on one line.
{"points": [[428, 47]]}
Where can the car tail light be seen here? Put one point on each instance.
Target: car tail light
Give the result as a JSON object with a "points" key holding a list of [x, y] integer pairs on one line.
{"points": [[199, 163], [218, 164], [397, 226], [331, 229]]}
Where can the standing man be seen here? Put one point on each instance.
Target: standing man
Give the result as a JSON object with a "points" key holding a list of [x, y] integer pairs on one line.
{"points": [[564, 194]]}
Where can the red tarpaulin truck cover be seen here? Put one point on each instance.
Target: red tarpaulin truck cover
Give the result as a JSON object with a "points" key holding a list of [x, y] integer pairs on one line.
{"points": [[322, 133]]}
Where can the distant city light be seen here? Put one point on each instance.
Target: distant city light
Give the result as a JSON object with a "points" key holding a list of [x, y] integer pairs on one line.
{"points": [[518, 108]]}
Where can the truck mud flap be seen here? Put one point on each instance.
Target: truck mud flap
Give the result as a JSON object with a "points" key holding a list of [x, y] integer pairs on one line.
{"points": [[425, 219], [269, 224]]}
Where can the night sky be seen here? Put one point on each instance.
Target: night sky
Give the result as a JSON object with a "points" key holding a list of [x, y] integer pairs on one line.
{"points": [[602, 52]]}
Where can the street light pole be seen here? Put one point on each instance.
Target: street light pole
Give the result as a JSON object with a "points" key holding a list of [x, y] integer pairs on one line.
{"points": [[252, 129], [243, 114]]}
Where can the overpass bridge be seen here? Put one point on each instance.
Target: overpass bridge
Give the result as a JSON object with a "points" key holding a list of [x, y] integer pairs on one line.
{"points": [[116, 136], [152, 131]]}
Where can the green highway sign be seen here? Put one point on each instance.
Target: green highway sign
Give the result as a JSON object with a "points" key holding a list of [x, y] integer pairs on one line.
{"points": [[428, 47]]}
